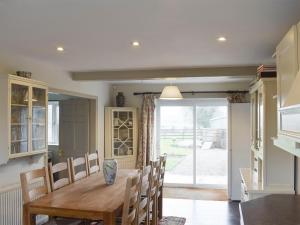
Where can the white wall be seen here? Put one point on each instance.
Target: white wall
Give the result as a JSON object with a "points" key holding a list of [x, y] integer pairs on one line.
{"points": [[136, 101], [59, 79]]}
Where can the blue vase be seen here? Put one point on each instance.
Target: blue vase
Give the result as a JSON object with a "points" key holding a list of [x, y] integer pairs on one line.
{"points": [[110, 168]]}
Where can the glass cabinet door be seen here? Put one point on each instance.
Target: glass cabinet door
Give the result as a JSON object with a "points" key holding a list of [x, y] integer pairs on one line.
{"points": [[122, 133], [19, 118], [254, 120], [260, 119], [38, 119]]}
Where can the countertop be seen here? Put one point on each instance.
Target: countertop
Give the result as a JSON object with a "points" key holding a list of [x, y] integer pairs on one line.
{"points": [[253, 187], [271, 210]]}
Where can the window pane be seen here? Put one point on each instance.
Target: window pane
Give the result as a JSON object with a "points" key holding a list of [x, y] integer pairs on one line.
{"points": [[53, 123], [211, 147], [176, 139]]}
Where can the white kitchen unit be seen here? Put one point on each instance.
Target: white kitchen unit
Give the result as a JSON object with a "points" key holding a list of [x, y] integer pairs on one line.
{"points": [[252, 190], [121, 135], [288, 92], [271, 170], [23, 113], [239, 138]]}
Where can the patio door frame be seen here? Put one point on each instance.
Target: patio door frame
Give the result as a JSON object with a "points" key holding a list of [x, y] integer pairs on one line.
{"points": [[194, 102]]}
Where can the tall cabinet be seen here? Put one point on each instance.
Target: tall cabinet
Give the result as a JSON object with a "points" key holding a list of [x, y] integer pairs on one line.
{"points": [[23, 115], [121, 135], [271, 170]]}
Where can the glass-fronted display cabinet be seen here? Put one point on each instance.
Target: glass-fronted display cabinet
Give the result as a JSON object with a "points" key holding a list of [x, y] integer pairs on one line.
{"points": [[28, 116], [121, 133]]}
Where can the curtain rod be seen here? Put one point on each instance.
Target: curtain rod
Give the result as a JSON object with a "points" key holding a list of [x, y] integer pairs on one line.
{"points": [[195, 92]]}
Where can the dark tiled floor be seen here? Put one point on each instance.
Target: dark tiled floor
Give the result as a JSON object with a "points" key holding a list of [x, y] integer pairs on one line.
{"points": [[199, 212]]}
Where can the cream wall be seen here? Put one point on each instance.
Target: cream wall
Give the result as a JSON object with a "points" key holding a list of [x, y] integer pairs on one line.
{"points": [[58, 79], [136, 100]]}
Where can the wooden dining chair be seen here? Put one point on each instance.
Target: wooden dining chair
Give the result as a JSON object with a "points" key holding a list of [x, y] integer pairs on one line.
{"points": [[62, 168], [144, 199], [131, 200], [162, 168], [154, 184], [35, 184], [74, 165], [93, 162]]}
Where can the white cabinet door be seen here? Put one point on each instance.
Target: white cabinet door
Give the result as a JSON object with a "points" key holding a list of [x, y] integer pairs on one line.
{"points": [[240, 145], [298, 28], [254, 120], [287, 65]]}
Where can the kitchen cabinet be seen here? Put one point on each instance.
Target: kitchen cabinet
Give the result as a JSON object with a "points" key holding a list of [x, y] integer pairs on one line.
{"points": [[24, 117], [271, 170], [121, 135], [288, 91]]}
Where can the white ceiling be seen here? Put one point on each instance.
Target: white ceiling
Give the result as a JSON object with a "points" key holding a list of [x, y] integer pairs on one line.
{"points": [[173, 33]]}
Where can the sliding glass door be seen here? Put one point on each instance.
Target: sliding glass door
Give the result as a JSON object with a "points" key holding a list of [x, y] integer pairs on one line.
{"points": [[176, 139], [194, 135]]}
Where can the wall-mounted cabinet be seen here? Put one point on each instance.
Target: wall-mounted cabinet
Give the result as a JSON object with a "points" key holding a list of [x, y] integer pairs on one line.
{"points": [[298, 30], [287, 66], [271, 170], [288, 92], [121, 135], [24, 117]]}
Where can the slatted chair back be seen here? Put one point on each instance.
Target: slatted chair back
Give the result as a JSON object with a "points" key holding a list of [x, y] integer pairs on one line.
{"points": [[162, 167], [62, 168], [154, 185], [144, 200], [35, 184], [131, 200], [93, 162], [74, 165]]}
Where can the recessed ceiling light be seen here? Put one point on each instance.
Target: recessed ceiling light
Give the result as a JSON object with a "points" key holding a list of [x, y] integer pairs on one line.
{"points": [[135, 44], [222, 39], [60, 49]]}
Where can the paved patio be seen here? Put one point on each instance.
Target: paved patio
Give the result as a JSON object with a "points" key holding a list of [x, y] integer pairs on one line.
{"points": [[211, 168]]}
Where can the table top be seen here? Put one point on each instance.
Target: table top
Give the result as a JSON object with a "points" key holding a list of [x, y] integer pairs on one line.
{"points": [[90, 194], [283, 209]]}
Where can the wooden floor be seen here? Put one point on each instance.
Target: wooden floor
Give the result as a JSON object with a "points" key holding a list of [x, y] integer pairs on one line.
{"points": [[196, 194], [201, 212]]}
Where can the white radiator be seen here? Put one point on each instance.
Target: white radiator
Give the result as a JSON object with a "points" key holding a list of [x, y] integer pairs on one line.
{"points": [[11, 206]]}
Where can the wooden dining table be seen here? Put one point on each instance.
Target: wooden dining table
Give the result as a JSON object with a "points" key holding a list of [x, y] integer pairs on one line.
{"points": [[90, 198]]}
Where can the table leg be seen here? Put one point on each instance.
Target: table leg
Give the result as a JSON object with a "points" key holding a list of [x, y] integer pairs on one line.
{"points": [[109, 219]]}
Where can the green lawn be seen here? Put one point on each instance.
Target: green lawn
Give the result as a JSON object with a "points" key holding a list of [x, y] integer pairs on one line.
{"points": [[175, 153]]}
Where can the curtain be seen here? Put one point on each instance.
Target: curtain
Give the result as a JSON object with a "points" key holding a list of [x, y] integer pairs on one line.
{"points": [[238, 98], [146, 133]]}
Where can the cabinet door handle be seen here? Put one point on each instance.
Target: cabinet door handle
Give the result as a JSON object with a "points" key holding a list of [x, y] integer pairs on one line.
{"points": [[255, 169], [255, 159]]}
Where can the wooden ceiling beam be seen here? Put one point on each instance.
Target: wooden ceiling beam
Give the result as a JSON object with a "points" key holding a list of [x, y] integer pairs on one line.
{"points": [[148, 74]]}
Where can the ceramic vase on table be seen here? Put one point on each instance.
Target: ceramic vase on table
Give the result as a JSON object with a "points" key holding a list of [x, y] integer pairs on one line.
{"points": [[110, 168]]}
